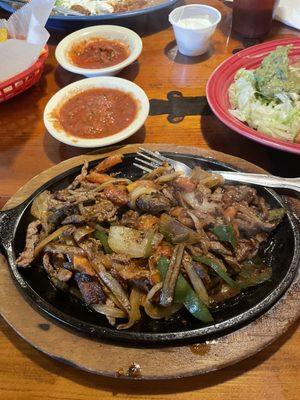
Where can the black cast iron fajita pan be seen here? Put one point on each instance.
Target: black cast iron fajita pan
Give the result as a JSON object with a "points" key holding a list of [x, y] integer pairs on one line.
{"points": [[281, 252]]}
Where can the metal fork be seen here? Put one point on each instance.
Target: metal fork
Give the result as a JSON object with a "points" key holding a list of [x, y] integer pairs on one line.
{"points": [[57, 9], [148, 160]]}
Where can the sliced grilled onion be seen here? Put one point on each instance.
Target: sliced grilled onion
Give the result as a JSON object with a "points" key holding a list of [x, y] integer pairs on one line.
{"points": [[139, 188], [115, 287], [168, 177], [130, 242], [175, 232], [136, 300], [81, 232], [195, 279], [107, 279], [54, 235], [39, 206], [157, 312], [153, 291], [109, 311], [157, 172]]}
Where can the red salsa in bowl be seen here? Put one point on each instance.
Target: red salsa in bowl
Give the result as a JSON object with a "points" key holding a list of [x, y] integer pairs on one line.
{"points": [[97, 113], [97, 53]]}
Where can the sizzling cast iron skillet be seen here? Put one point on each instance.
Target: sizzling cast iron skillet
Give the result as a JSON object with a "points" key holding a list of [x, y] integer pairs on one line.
{"points": [[281, 252]]}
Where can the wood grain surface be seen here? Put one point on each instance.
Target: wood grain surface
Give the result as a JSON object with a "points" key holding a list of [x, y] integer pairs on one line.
{"points": [[26, 150]]}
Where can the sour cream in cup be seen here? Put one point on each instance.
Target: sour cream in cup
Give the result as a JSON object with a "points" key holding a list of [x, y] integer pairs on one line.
{"points": [[193, 27]]}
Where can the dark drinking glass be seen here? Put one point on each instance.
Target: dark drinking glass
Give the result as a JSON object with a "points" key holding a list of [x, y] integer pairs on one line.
{"points": [[253, 18]]}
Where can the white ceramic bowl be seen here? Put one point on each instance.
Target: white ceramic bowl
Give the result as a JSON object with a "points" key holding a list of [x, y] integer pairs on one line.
{"points": [[91, 83], [112, 32]]}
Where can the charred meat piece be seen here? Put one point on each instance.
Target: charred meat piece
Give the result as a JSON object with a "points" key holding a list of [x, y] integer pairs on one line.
{"points": [[262, 207], [148, 222], [119, 261], [130, 219], [81, 177], [204, 218], [75, 219], [76, 196], [90, 289], [153, 203], [250, 223], [59, 276], [218, 248], [201, 270], [115, 261], [116, 194], [136, 277], [238, 194], [184, 184], [60, 212], [86, 185], [217, 195], [32, 238], [108, 280], [182, 215], [104, 211], [246, 249], [57, 248], [170, 193], [91, 247], [232, 261], [175, 232]]}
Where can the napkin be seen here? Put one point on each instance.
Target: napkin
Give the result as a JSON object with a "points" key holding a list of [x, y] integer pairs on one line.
{"points": [[28, 36], [287, 12]]}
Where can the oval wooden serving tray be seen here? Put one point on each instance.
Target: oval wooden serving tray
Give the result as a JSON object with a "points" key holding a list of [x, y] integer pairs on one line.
{"points": [[111, 359]]}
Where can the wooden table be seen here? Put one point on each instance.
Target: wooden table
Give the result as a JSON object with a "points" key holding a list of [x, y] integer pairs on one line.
{"points": [[26, 149]]}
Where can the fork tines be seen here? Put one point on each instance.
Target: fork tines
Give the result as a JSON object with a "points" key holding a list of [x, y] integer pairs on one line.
{"points": [[148, 158]]}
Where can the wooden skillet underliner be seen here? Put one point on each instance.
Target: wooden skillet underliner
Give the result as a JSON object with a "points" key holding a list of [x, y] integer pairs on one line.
{"points": [[111, 359]]}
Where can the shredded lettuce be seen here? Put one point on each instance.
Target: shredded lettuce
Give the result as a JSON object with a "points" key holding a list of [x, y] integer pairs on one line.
{"points": [[277, 116]]}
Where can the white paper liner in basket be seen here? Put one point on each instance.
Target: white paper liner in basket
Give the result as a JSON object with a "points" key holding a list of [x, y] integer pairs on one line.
{"points": [[26, 28]]}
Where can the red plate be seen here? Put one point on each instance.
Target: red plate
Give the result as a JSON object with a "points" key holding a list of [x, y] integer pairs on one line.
{"points": [[219, 82]]}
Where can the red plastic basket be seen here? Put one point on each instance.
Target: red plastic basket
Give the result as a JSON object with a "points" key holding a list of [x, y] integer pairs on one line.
{"points": [[23, 81]]}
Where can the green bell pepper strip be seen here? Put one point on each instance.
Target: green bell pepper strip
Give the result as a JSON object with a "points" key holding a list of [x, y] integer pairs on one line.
{"points": [[102, 236], [276, 214], [184, 294], [225, 233], [218, 270]]}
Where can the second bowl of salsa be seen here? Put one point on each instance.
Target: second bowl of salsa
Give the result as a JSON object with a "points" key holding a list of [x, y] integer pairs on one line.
{"points": [[99, 50]]}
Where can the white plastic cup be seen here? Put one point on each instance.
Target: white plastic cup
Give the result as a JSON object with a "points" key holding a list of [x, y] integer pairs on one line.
{"points": [[194, 41]]}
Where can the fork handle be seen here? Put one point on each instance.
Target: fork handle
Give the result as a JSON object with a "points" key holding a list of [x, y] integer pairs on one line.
{"points": [[263, 180]]}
